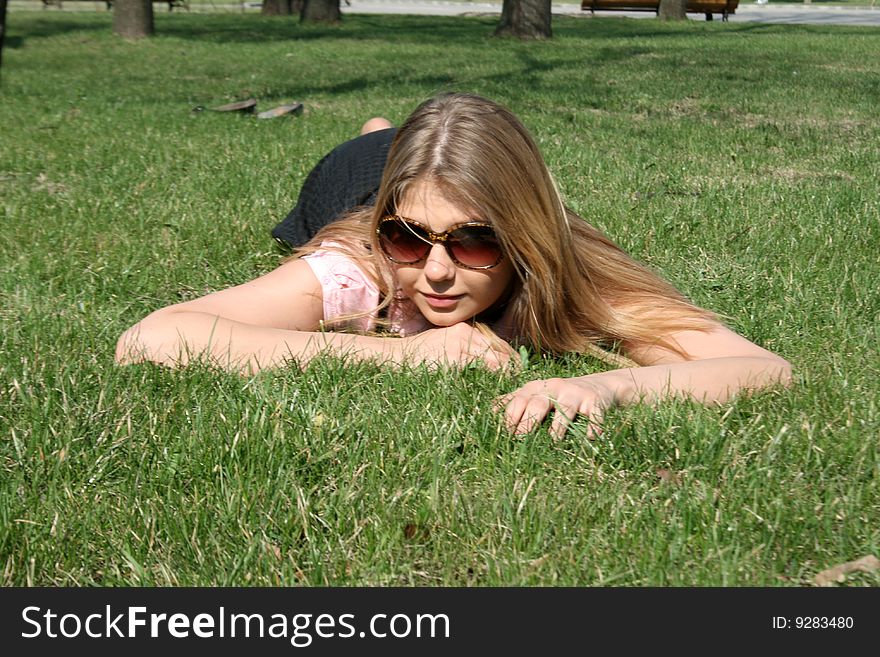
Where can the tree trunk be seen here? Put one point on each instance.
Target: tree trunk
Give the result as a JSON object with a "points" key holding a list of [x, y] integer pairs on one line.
{"points": [[281, 7], [2, 27], [672, 10], [320, 11], [133, 19], [526, 19]]}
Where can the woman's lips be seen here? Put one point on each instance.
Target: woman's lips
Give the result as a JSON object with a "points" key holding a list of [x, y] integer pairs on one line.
{"points": [[442, 300]]}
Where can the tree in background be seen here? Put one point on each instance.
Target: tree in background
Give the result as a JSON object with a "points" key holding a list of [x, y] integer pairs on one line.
{"points": [[320, 11], [281, 7], [2, 27], [526, 19], [672, 10], [133, 19]]}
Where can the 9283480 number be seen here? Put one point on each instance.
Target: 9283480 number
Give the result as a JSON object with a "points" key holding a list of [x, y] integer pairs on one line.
{"points": [[823, 622]]}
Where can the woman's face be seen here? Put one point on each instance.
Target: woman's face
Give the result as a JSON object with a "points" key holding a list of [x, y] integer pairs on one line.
{"points": [[445, 293]]}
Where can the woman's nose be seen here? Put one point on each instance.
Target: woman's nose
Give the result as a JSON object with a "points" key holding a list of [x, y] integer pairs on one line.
{"points": [[439, 266]]}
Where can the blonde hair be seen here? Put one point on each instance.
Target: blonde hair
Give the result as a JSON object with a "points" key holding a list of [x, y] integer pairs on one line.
{"points": [[573, 289]]}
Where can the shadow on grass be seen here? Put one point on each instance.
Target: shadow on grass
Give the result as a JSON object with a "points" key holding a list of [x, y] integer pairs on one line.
{"points": [[21, 26], [260, 29], [254, 28], [413, 29], [438, 82], [531, 75]]}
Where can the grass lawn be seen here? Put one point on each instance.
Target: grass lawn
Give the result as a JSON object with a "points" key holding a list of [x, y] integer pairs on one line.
{"points": [[740, 160]]}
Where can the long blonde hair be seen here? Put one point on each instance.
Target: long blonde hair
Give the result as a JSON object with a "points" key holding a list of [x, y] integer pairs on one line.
{"points": [[573, 288]]}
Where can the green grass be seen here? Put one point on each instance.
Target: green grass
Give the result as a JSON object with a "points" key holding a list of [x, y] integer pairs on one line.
{"points": [[738, 159]]}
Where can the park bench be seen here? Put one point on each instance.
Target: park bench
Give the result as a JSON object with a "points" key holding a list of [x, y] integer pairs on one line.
{"points": [[708, 7], [171, 3]]}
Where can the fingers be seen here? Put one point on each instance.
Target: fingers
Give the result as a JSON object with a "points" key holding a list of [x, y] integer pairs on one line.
{"points": [[478, 343], [595, 417], [498, 357], [525, 409], [566, 412], [523, 413], [494, 342], [562, 419], [457, 345], [493, 360]]}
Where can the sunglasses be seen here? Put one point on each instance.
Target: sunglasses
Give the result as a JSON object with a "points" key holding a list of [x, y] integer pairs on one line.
{"points": [[472, 245]]}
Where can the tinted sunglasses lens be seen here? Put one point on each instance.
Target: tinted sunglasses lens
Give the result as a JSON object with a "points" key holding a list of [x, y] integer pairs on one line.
{"points": [[401, 242], [475, 246]]}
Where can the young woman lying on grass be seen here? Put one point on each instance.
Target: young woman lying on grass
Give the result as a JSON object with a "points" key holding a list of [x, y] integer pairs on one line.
{"points": [[466, 230]]}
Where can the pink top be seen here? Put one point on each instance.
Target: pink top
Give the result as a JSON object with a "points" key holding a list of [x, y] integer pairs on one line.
{"points": [[347, 290]]}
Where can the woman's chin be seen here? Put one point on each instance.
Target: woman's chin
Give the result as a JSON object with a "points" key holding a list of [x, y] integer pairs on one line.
{"points": [[442, 319], [462, 311]]}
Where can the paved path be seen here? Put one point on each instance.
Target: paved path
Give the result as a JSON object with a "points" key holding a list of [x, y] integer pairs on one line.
{"points": [[746, 12]]}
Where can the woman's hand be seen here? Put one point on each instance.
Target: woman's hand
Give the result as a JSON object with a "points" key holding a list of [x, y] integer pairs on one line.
{"points": [[458, 344], [722, 364], [590, 396]]}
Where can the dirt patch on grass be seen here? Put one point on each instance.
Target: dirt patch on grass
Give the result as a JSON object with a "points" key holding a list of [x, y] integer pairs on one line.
{"points": [[685, 107], [793, 174], [753, 121]]}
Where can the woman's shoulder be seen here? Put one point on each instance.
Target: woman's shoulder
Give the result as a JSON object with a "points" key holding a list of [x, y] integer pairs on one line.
{"points": [[331, 264], [346, 288]]}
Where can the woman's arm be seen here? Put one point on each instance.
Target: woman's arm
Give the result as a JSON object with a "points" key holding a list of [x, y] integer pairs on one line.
{"points": [[275, 318], [251, 326], [723, 364]]}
